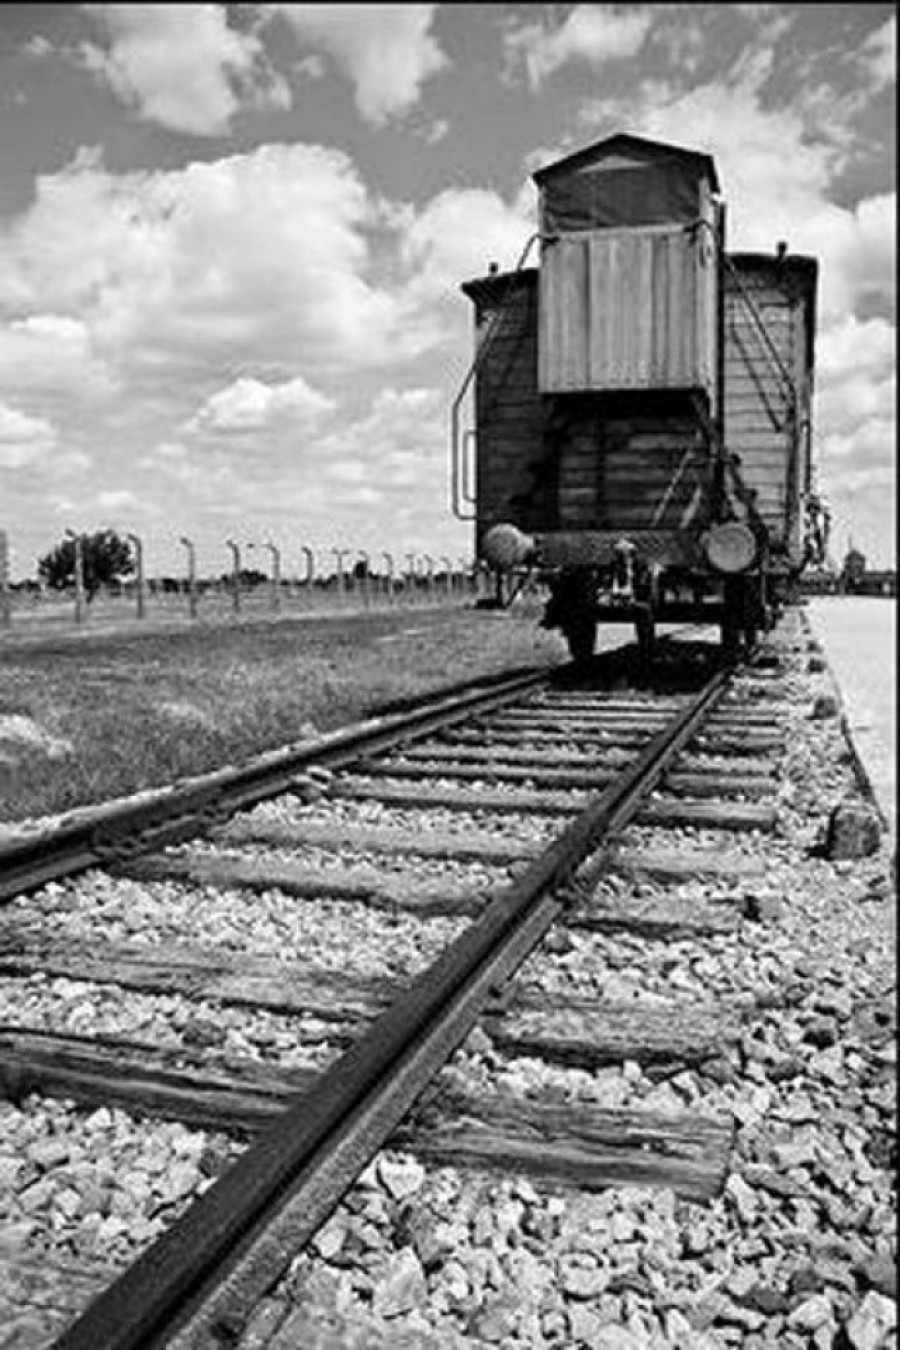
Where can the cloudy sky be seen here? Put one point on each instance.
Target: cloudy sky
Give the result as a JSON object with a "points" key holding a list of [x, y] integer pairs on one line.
{"points": [[232, 240]]}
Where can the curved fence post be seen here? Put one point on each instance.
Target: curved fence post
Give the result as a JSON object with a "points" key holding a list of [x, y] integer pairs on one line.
{"points": [[388, 558], [308, 581], [363, 558], [79, 574], [192, 575], [276, 575], [138, 573], [235, 574], [463, 575], [429, 576], [339, 554]]}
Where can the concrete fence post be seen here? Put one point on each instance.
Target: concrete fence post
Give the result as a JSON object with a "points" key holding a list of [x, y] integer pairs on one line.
{"points": [[138, 572], [276, 575], [339, 567], [363, 557], [79, 574], [448, 576], [235, 574], [388, 558], [308, 581], [410, 582], [192, 575]]}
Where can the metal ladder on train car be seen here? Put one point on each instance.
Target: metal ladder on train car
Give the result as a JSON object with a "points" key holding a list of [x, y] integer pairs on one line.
{"points": [[462, 497]]}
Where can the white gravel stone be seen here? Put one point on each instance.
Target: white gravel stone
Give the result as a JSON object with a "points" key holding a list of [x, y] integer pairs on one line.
{"points": [[873, 1323]]}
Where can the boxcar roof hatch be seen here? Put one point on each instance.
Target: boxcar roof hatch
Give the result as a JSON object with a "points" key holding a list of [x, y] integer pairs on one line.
{"points": [[623, 181]]}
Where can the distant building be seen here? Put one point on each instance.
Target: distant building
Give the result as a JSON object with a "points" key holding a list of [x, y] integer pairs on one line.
{"points": [[857, 579], [818, 581], [853, 571], [879, 583]]}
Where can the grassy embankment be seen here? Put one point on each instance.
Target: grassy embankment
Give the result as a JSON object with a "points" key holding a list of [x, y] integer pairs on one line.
{"points": [[131, 711]]}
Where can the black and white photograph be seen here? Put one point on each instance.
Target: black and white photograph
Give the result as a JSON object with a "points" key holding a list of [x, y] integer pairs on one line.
{"points": [[448, 676]]}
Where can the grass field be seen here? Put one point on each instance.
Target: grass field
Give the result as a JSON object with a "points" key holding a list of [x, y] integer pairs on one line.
{"points": [[91, 714]]}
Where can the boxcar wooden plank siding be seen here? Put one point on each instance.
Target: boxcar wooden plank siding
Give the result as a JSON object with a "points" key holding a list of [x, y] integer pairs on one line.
{"points": [[757, 403], [634, 460], [629, 309]]}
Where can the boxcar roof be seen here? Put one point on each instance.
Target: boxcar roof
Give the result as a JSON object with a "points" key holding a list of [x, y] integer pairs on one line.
{"points": [[624, 142], [493, 286]]}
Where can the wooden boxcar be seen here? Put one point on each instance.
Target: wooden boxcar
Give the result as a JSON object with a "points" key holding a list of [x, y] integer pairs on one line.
{"points": [[641, 438]]}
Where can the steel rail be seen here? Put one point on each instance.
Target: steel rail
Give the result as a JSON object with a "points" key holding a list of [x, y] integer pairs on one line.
{"points": [[169, 815], [190, 1289]]}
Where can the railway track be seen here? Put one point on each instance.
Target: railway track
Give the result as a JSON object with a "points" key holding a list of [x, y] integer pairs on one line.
{"points": [[471, 841]]}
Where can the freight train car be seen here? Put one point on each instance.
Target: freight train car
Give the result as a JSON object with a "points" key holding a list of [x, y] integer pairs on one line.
{"points": [[642, 403]]}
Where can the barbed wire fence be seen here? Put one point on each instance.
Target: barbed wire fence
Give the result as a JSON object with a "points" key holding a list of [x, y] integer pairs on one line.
{"points": [[313, 580]]}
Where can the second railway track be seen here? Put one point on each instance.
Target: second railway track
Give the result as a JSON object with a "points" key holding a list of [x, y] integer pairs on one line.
{"points": [[423, 888]]}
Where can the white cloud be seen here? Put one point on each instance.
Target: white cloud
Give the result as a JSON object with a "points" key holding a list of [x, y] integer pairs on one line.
{"points": [[879, 55], [436, 131], [263, 257], [252, 405], [23, 439], [595, 34], [387, 51], [457, 234], [234, 304], [855, 413], [53, 353], [38, 47], [859, 252], [181, 66], [118, 500], [853, 347], [392, 452]]}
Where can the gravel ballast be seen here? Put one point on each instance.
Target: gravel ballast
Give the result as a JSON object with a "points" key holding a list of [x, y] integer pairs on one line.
{"points": [[800, 1248], [798, 1251]]}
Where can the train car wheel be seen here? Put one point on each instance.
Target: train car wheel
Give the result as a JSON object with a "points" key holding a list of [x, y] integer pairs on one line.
{"points": [[581, 635]]}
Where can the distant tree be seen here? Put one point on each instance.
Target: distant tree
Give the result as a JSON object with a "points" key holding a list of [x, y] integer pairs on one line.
{"points": [[248, 578], [251, 576], [106, 558]]}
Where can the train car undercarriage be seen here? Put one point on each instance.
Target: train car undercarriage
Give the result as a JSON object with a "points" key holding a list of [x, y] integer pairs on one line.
{"points": [[581, 599], [740, 596]]}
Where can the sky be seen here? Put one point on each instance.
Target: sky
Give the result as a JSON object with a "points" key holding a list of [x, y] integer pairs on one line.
{"points": [[232, 240]]}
